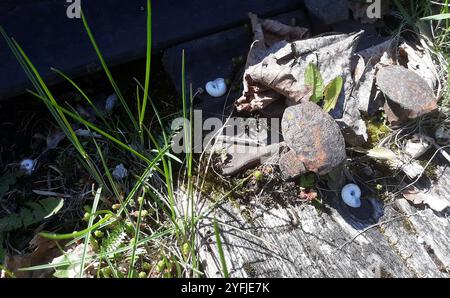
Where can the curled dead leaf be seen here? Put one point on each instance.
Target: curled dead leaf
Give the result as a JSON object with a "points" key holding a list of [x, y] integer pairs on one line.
{"points": [[44, 250]]}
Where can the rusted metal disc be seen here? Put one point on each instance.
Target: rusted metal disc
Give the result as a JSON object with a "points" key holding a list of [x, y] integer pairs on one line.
{"points": [[408, 95], [314, 136]]}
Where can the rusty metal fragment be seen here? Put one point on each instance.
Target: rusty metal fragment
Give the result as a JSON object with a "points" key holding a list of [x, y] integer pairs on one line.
{"points": [[314, 138], [408, 96], [291, 166]]}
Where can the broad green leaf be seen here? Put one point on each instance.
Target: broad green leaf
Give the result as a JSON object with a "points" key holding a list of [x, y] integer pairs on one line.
{"points": [[331, 94], [438, 17], [313, 79], [69, 271], [35, 212]]}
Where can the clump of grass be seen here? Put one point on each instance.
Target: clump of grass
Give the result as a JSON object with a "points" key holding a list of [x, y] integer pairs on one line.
{"points": [[118, 234]]}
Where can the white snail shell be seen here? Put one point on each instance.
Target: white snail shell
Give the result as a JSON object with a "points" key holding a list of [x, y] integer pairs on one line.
{"points": [[120, 172], [351, 195], [27, 165], [110, 102], [216, 88]]}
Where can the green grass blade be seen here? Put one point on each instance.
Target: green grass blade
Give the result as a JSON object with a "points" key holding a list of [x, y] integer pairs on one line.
{"points": [[167, 166], [91, 222], [141, 180], [107, 71], [82, 233], [60, 73], [404, 13], [95, 128], [44, 92], [109, 176], [147, 64], [438, 17], [48, 94], [220, 250], [136, 238], [21, 61]]}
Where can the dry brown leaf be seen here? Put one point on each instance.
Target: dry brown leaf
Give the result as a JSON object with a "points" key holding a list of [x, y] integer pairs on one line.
{"points": [[365, 66], [269, 36], [280, 75], [275, 32], [358, 67], [375, 53], [45, 250]]}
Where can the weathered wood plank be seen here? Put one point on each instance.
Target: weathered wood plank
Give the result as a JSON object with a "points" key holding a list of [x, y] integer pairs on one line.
{"points": [[302, 241], [436, 195], [409, 245], [299, 242], [433, 232]]}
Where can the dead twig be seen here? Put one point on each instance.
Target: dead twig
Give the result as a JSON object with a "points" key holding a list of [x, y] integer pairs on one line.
{"points": [[374, 226]]}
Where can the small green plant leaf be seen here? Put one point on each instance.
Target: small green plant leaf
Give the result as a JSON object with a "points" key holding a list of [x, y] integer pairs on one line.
{"points": [[115, 239], [331, 94], [220, 249], [307, 181], [313, 79], [33, 213]]}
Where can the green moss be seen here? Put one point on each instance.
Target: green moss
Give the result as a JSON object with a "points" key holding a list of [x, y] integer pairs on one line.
{"points": [[247, 215], [376, 130]]}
